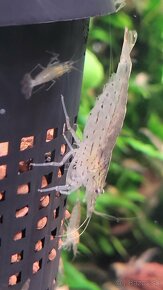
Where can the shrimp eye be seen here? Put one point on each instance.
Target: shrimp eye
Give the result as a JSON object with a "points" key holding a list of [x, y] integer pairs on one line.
{"points": [[74, 166], [97, 190]]}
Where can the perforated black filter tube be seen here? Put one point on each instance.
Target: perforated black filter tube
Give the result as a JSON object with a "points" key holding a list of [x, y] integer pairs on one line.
{"points": [[31, 130]]}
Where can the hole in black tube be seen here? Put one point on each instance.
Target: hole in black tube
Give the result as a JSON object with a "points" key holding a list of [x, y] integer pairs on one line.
{"points": [[20, 235], [22, 212], [49, 177], [56, 212], [53, 233], [44, 201], [2, 196], [16, 257], [26, 143], [75, 119], [51, 134], [42, 223], [65, 200], [39, 245], [49, 156], [46, 180], [23, 188], [4, 148], [1, 219], [25, 165], [3, 171], [36, 266], [63, 149], [14, 279], [61, 171]]}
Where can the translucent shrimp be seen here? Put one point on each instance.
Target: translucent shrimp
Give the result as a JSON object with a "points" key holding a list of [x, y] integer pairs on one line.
{"points": [[72, 235], [92, 156], [53, 71]]}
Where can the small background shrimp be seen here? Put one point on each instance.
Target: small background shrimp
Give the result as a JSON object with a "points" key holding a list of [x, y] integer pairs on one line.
{"points": [[72, 233], [50, 73], [71, 237]]}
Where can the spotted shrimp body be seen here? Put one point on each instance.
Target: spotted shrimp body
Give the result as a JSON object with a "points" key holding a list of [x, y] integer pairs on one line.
{"points": [[92, 156], [53, 71]]}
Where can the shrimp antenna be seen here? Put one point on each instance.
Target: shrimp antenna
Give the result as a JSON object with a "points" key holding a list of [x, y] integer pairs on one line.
{"points": [[73, 232], [75, 68], [88, 220], [39, 89], [119, 4], [113, 218]]}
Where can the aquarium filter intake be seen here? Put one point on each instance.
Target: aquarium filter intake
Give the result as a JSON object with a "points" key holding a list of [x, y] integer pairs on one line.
{"points": [[31, 34]]}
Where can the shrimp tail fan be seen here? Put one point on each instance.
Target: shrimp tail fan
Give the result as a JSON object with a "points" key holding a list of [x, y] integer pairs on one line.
{"points": [[27, 86]]}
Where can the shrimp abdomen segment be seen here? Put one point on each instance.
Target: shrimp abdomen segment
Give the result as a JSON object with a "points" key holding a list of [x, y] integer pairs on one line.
{"points": [[27, 86]]}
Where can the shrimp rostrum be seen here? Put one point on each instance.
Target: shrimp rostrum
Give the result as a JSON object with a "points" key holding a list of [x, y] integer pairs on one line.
{"points": [[92, 156]]}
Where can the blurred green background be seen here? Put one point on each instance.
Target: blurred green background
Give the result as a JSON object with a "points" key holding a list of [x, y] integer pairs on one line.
{"points": [[134, 183]]}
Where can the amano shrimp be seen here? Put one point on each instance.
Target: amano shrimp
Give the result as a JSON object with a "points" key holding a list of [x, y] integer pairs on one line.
{"points": [[53, 71], [92, 156]]}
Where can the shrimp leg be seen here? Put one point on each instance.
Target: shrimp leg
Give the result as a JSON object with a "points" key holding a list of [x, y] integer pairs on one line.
{"points": [[68, 143], [37, 66], [63, 189], [58, 164], [54, 58], [72, 131], [53, 82], [66, 139]]}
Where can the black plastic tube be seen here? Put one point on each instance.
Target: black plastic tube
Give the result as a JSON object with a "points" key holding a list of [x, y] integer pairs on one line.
{"points": [[31, 130], [40, 11]]}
